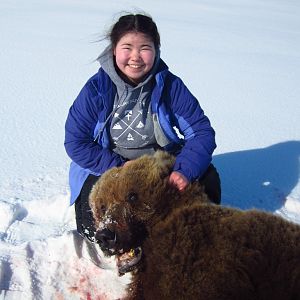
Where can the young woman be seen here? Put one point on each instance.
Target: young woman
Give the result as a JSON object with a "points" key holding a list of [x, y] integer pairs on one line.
{"points": [[134, 105]]}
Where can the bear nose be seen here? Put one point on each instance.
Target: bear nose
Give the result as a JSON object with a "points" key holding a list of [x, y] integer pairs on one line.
{"points": [[106, 238]]}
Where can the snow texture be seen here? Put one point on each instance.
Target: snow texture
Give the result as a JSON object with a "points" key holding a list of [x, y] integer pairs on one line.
{"points": [[241, 59]]}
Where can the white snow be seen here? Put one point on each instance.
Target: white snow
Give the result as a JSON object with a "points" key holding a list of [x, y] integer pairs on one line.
{"points": [[240, 58]]}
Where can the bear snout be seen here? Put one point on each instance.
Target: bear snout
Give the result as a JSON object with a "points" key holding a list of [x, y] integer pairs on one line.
{"points": [[106, 240]]}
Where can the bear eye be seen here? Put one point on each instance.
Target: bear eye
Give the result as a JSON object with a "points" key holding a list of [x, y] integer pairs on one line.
{"points": [[132, 198]]}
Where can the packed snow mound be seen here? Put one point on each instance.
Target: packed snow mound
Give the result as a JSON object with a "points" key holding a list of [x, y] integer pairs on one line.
{"points": [[47, 264]]}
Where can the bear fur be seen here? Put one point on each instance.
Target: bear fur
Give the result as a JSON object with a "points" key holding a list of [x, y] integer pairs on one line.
{"points": [[191, 248]]}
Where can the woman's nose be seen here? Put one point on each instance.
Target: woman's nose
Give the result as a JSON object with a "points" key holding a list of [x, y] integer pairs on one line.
{"points": [[135, 55]]}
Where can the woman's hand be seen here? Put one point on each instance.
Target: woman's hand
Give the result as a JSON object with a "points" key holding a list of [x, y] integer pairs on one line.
{"points": [[178, 180]]}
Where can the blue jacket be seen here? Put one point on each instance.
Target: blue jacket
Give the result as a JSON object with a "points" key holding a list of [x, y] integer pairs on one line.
{"points": [[87, 126]]}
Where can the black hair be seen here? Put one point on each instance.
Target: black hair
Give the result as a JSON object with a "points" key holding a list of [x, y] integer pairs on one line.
{"points": [[134, 23]]}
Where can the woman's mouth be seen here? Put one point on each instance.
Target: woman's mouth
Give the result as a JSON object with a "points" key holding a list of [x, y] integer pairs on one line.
{"points": [[135, 66]]}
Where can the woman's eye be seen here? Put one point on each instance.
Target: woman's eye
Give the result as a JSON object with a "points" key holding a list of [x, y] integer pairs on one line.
{"points": [[147, 48]]}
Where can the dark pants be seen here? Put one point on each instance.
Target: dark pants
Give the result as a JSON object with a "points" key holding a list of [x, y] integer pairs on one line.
{"points": [[212, 184], [84, 216]]}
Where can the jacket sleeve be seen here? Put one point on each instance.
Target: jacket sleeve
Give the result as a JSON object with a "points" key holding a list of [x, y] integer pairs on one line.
{"points": [[199, 136], [79, 134]]}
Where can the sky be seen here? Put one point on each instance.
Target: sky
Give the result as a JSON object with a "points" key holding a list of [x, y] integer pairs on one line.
{"points": [[241, 59]]}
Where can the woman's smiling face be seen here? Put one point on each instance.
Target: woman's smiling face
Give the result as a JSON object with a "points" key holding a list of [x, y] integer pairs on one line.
{"points": [[135, 55]]}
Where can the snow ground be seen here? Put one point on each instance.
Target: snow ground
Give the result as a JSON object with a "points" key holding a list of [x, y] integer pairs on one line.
{"points": [[240, 58]]}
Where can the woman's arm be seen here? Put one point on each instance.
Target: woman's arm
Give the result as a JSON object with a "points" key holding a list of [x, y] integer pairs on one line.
{"points": [[79, 134], [199, 136]]}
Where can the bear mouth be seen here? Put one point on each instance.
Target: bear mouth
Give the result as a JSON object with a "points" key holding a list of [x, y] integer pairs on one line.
{"points": [[128, 261]]}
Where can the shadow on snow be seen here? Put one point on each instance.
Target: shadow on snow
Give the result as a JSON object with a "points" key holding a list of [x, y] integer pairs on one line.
{"points": [[259, 178]]}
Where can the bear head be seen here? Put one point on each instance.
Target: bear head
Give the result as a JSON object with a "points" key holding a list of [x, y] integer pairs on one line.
{"points": [[127, 201], [127, 197]]}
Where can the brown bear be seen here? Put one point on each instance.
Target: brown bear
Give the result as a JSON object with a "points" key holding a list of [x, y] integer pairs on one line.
{"points": [[178, 245]]}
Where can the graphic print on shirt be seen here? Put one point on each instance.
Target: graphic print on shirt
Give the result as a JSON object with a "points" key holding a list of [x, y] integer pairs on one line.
{"points": [[129, 127], [132, 125], [128, 114]]}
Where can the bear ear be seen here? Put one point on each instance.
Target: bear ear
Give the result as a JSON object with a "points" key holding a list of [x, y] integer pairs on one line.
{"points": [[164, 160]]}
